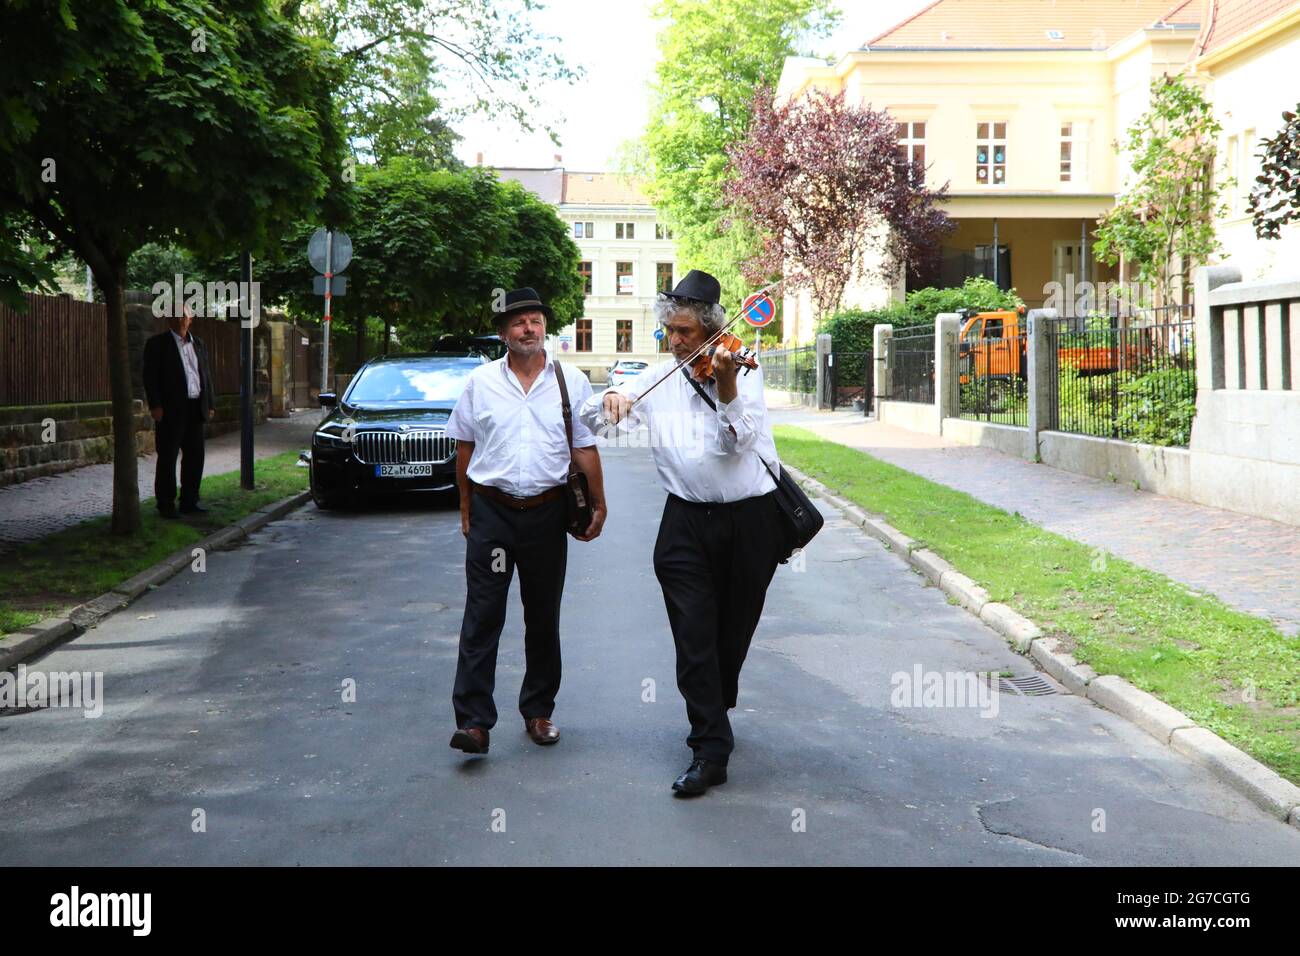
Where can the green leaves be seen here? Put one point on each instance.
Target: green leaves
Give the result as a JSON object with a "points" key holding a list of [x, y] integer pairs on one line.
{"points": [[714, 54], [1275, 197], [1164, 223]]}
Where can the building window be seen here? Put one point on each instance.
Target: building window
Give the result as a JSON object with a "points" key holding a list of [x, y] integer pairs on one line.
{"points": [[584, 270], [662, 231], [623, 278], [623, 336], [911, 144], [584, 230], [584, 335], [1074, 152], [624, 230], [663, 276], [991, 154]]}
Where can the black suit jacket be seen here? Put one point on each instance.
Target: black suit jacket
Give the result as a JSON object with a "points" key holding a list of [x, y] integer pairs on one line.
{"points": [[164, 375]]}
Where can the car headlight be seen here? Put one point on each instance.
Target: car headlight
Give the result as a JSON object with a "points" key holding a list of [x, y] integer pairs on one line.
{"points": [[336, 435]]}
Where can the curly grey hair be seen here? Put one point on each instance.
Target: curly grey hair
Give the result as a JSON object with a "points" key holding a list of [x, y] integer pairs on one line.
{"points": [[710, 315]]}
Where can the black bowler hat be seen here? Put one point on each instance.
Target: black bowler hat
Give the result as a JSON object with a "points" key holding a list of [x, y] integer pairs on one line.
{"points": [[523, 300], [699, 286]]}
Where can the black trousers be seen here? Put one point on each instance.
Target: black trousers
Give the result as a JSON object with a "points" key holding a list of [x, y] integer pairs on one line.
{"points": [[179, 431], [714, 563], [501, 539]]}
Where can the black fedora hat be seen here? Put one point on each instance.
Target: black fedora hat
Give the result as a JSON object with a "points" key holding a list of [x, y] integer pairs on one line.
{"points": [[522, 300], [699, 287]]}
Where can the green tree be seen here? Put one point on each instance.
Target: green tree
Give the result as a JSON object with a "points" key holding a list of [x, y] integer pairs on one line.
{"points": [[1275, 195], [158, 120], [429, 249], [412, 68], [714, 55], [1163, 224]]}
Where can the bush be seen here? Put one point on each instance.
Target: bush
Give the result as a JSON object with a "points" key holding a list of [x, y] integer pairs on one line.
{"points": [[851, 329]]}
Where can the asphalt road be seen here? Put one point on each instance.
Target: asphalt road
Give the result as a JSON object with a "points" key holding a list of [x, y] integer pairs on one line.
{"points": [[224, 694]]}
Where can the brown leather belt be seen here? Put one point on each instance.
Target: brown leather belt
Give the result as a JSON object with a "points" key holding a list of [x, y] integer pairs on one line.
{"points": [[518, 504]]}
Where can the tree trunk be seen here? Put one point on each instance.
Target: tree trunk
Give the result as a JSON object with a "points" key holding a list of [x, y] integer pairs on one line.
{"points": [[126, 484]]}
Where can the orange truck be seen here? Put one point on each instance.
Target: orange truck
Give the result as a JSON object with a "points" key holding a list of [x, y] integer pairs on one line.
{"points": [[993, 345]]}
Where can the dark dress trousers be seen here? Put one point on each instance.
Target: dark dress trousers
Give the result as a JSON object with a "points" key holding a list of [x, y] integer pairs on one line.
{"points": [[715, 562], [500, 540], [180, 430]]}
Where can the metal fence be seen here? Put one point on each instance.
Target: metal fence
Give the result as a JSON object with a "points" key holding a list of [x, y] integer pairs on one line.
{"points": [[911, 361], [790, 370], [994, 379], [848, 380], [1127, 377]]}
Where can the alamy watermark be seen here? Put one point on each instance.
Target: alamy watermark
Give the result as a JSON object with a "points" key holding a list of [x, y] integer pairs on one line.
{"points": [[214, 300], [21, 689]]}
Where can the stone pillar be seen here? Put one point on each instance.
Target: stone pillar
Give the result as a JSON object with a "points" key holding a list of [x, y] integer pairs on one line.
{"points": [[1040, 356], [947, 375], [279, 332], [881, 377], [823, 350], [1209, 334]]}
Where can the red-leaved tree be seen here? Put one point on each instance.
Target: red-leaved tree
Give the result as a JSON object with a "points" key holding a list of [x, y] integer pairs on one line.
{"points": [[821, 182]]}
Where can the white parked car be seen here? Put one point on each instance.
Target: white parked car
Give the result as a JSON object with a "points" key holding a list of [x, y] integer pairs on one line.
{"points": [[623, 371]]}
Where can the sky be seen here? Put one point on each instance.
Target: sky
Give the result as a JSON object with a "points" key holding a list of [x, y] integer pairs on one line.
{"points": [[614, 40]]}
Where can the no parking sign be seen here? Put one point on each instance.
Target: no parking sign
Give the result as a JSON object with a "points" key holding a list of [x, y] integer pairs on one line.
{"points": [[759, 309]]}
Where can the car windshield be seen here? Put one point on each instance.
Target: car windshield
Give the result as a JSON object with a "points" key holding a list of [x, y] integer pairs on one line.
{"points": [[631, 366], [425, 382]]}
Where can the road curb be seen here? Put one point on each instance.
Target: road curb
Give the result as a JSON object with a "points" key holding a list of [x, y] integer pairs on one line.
{"points": [[23, 645], [1264, 787]]}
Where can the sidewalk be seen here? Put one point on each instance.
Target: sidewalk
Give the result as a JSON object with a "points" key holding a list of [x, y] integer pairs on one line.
{"points": [[38, 507], [1251, 564]]}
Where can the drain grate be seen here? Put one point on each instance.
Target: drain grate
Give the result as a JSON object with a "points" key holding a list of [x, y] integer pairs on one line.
{"points": [[1033, 686]]}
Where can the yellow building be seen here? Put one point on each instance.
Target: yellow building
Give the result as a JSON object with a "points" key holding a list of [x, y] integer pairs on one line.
{"points": [[1246, 54], [1016, 105]]}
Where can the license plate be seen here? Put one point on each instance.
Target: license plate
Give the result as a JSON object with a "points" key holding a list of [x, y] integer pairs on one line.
{"points": [[403, 471]]}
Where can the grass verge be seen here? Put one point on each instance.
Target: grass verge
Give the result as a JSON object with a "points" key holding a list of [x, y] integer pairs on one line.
{"points": [[54, 574], [1233, 673]]}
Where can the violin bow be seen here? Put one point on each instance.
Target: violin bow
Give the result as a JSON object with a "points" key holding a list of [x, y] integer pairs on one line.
{"points": [[709, 341]]}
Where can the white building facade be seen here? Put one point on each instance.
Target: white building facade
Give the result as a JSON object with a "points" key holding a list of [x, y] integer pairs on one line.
{"points": [[628, 257]]}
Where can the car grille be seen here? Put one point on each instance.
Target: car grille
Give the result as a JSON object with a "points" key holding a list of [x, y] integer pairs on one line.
{"points": [[398, 448]]}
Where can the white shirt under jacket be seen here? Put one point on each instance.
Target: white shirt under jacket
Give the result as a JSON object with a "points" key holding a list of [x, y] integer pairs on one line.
{"points": [[519, 442], [701, 455]]}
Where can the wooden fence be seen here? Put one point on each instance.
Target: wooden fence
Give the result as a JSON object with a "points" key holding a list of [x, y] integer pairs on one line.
{"points": [[57, 351], [54, 352]]}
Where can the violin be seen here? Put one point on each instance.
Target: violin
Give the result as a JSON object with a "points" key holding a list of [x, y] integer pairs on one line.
{"points": [[702, 366]]}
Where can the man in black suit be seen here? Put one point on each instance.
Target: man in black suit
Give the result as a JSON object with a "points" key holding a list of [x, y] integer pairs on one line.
{"points": [[178, 387]]}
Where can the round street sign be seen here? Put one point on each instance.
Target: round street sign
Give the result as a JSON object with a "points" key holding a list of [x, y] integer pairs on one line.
{"points": [[659, 332], [759, 309], [342, 251]]}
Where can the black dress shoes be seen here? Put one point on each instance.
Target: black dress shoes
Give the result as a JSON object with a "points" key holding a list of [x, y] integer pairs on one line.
{"points": [[699, 776], [194, 509], [169, 515]]}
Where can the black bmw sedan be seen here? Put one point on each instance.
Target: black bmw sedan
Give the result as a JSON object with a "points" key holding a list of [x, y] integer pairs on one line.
{"points": [[388, 431]]}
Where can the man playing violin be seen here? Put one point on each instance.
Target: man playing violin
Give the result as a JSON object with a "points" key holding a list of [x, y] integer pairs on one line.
{"points": [[719, 537]]}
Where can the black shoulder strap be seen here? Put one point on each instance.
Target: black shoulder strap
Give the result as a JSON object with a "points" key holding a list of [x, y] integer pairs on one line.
{"points": [[564, 404], [713, 405], [699, 388]]}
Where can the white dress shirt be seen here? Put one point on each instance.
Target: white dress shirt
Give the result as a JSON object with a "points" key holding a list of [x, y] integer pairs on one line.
{"points": [[190, 360], [701, 455], [520, 446]]}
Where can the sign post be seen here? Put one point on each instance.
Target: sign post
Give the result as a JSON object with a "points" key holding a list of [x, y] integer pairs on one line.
{"points": [[329, 253]]}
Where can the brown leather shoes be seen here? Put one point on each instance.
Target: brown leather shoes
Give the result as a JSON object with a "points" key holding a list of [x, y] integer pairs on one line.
{"points": [[472, 740], [542, 730]]}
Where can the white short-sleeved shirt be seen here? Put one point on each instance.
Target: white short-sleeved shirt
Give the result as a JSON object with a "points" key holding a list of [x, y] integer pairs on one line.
{"points": [[700, 454], [520, 445]]}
